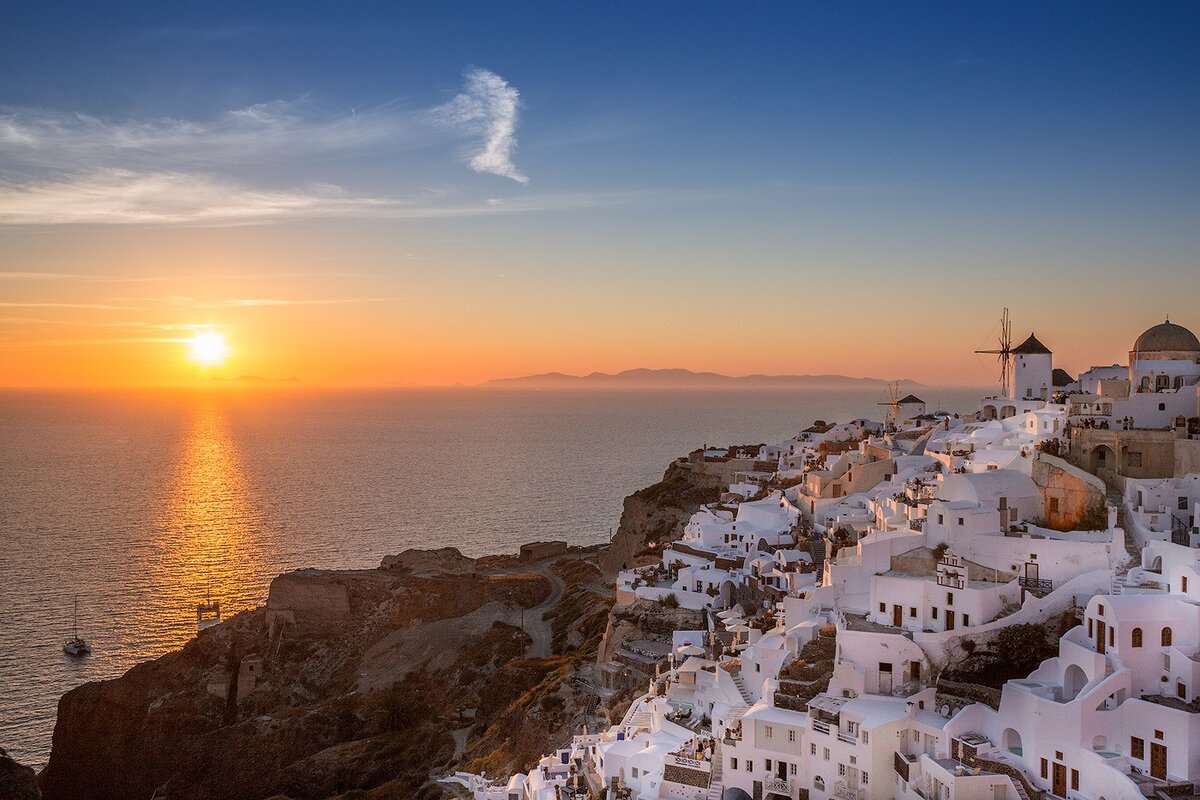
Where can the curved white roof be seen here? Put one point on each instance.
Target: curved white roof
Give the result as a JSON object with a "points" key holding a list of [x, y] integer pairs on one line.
{"points": [[985, 488]]}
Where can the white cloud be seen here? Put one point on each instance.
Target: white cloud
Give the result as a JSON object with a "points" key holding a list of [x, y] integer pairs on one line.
{"points": [[487, 106], [34, 138], [122, 196]]}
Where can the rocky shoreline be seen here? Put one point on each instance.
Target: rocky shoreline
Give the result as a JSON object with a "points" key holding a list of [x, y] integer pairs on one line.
{"points": [[370, 683]]}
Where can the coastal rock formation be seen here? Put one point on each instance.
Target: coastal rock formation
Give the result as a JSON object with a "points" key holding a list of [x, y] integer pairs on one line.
{"points": [[366, 680], [17, 782], [658, 513]]}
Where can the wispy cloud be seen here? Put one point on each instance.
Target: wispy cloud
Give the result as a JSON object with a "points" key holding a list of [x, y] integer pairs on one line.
{"points": [[122, 196], [97, 306], [274, 131], [488, 106]]}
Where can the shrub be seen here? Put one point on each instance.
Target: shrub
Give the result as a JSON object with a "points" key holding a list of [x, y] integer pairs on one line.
{"points": [[670, 601], [939, 552]]}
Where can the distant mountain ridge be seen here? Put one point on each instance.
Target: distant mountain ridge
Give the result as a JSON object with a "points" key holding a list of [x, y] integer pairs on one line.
{"points": [[685, 378]]}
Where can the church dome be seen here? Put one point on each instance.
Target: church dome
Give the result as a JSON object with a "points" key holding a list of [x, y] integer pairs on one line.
{"points": [[1167, 337]]}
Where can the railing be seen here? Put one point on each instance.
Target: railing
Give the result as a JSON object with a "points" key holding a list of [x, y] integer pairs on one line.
{"points": [[843, 792], [1180, 531], [778, 785], [1035, 583], [901, 765], [820, 727], [848, 738]]}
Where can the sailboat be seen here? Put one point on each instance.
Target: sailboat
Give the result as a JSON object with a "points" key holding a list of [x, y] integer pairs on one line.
{"points": [[76, 646]]}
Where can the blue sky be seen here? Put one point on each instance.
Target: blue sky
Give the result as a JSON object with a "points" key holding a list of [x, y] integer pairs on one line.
{"points": [[789, 152]]}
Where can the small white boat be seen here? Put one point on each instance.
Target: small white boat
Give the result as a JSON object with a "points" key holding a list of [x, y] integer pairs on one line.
{"points": [[76, 646]]}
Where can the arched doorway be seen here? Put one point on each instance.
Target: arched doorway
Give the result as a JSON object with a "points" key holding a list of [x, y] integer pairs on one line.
{"points": [[1010, 740], [989, 412], [1074, 679], [1103, 457]]}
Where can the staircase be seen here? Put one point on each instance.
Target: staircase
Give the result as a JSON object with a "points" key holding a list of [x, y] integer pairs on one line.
{"points": [[740, 683], [715, 781]]}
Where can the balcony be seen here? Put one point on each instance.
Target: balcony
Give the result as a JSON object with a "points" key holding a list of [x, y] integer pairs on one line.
{"points": [[901, 763], [778, 786], [842, 791], [819, 726], [1036, 584], [848, 738]]}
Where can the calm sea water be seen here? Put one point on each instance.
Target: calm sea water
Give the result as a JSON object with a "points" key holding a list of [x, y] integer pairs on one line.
{"points": [[141, 505]]}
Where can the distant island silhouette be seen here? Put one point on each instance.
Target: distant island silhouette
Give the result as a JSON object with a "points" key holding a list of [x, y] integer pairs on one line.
{"points": [[687, 379]]}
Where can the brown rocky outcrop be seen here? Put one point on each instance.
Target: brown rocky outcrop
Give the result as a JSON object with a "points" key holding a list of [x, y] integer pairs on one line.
{"points": [[17, 782], [658, 513]]}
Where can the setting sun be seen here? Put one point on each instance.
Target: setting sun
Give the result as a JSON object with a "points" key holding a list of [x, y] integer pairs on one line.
{"points": [[208, 348]]}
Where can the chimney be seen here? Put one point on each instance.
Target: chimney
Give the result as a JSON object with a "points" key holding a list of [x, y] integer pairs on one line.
{"points": [[1004, 515]]}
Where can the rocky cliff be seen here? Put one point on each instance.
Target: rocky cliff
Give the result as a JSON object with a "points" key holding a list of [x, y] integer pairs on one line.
{"points": [[366, 681], [657, 513]]}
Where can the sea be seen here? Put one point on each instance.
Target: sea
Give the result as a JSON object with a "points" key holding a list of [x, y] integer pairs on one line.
{"points": [[135, 507]]}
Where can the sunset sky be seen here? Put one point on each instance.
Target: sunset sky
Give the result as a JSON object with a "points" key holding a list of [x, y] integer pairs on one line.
{"points": [[435, 193]]}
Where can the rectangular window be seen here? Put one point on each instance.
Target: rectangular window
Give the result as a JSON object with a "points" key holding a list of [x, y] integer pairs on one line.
{"points": [[733, 762], [769, 731], [966, 620], [1075, 779], [841, 769], [1183, 584], [1137, 747], [882, 607], [941, 519], [933, 612], [749, 766], [960, 520], [867, 740], [1053, 505], [1183, 504], [791, 735], [1089, 627], [1045, 769], [812, 749], [826, 753], [866, 779], [1100, 609], [949, 599], [791, 769], [912, 612], [767, 765]]}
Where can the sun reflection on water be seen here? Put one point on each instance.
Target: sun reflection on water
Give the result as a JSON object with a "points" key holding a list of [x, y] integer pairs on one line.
{"points": [[211, 538]]}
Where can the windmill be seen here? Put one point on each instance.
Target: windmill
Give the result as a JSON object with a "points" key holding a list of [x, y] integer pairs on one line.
{"points": [[893, 403], [1005, 354]]}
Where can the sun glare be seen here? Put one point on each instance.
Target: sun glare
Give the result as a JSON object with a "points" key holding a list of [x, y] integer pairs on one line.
{"points": [[208, 348]]}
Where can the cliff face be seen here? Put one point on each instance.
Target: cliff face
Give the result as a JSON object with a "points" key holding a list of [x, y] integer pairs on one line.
{"points": [[344, 681], [657, 513]]}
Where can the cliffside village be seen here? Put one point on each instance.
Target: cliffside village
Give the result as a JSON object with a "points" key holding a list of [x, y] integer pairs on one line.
{"points": [[859, 582]]}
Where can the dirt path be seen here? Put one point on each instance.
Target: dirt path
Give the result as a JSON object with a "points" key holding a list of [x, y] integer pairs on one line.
{"points": [[539, 630]]}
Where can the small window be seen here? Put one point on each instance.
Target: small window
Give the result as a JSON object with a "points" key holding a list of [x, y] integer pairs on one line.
{"points": [[933, 612], [1183, 584], [941, 519], [819, 783], [841, 769], [749, 766], [949, 599], [1137, 747], [1157, 734], [825, 754], [1183, 504], [966, 620], [1166, 637], [882, 608], [1112, 637], [960, 520], [1075, 779], [912, 612], [1045, 768], [1136, 637], [1089, 627], [791, 735], [733, 762], [1100, 609], [812, 748], [767, 765]]}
